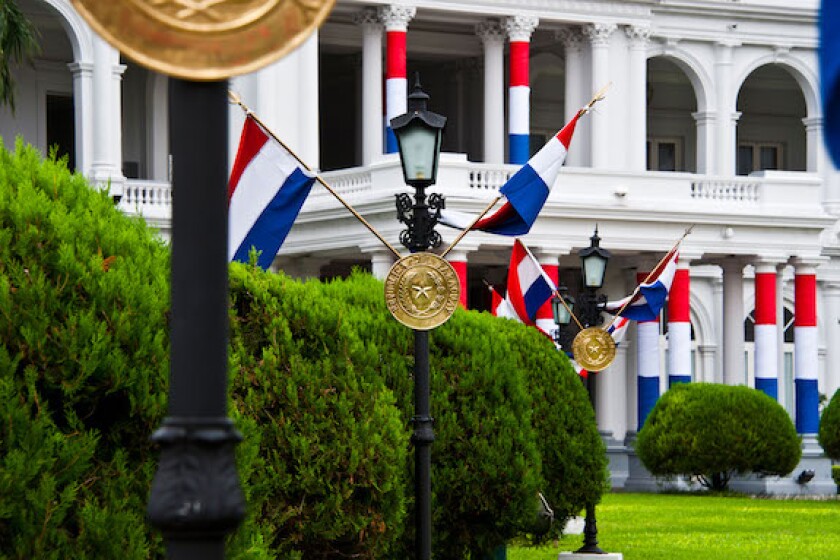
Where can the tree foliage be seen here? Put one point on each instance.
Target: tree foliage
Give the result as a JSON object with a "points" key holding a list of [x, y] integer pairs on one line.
{"points": [[83, 362], [18, 44], [829, 434], [714, 431]]}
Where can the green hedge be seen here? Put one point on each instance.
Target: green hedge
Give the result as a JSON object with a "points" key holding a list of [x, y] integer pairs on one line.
{"points": [[321, 388], [329, 477], [829, 433], [485, 461], [83, 363], [713, 431]]}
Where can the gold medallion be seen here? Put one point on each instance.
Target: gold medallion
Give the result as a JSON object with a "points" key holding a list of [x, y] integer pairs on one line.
{"points": [[422, 291], [593, 349], [204, 39]]}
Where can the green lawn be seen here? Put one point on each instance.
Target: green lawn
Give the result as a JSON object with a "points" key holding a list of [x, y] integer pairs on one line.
{"points": [[698, 527]]}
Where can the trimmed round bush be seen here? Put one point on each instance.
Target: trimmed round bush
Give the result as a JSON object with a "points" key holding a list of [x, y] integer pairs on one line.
{"points": [[574, 458], [829, 434], [713, 431]]}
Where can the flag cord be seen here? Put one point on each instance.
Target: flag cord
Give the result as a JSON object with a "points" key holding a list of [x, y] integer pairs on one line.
{"points": [[234, 98], [551, 283], [650, 274], [566, 305], [467, 229]]}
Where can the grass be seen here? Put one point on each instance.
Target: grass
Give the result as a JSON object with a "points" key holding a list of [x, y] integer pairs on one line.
{"points": [[702, 527]]}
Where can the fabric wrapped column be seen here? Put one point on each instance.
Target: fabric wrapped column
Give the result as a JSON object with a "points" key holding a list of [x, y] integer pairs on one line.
{"points": [[647, 363], [679, 325], [458, 260], [396, 20], [519, 29], [805, 348], [766, 330]]}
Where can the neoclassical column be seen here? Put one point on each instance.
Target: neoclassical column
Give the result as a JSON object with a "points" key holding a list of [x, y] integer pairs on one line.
{"points": [[599, 35], [830, 291], [368, 20], [307, 267], [396, 18], [733, 322], [308, 106], [704, 124], [611, 396], [780, 326], [550, 262], [107, 118], [638, 37], [493, 38], [83, 104], [458, 260], [381, 261], [766, 328], [708, 354], [679, 324], [806, 358], [726, 115], [647, 362], [572, 40], [816, 155], [519, 29]]}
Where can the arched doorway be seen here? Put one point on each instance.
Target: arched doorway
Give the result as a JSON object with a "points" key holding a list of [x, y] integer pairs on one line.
{"points": [[45, 114], [771, 134], [671, 130]]}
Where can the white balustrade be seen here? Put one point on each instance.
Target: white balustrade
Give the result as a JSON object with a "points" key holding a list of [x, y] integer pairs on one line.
{"points": [[645, 193], [150, 199], [726, 190], [345, 182]]}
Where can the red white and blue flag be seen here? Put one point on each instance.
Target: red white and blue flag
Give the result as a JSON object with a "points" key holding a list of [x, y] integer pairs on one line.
{"points": [[267, 189], [830, 75], [529, 289], [648, 299], [501, 307], [618, 329], [526, 192]]}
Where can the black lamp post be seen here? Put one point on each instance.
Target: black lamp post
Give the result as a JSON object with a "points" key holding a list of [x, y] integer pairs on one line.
{"points": [[196, 498], [588, 308], [418, 135], [563, 336]]}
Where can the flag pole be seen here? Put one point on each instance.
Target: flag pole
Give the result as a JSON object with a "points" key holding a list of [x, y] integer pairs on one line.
{"points": [[599, 96], [556, 294], [554, 291], [235, 99], [650, 274], [467, 229]]}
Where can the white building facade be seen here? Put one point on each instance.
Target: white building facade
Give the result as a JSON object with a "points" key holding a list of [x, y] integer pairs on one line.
{"points": [[713, 119]]}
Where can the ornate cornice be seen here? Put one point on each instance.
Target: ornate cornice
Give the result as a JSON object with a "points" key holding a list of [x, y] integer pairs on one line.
{"points": [[368, 18], [490, 31], [571, 37], [638, 35], [599, 33], [520, 27], [396, 16]]}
